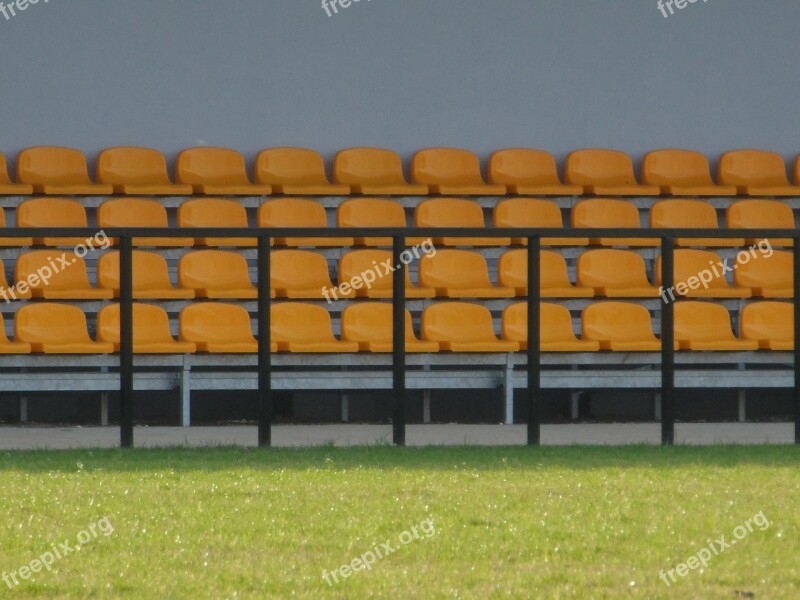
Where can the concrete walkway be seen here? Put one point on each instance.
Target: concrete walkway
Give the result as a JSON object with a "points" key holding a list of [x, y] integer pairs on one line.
{"points": [[615, 434]]}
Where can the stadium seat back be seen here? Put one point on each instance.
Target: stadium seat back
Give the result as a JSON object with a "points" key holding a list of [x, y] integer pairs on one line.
{"points": [[150, 328], [52, 165], [215, 212], [300, 323], [371, 322], [603, 167], [217, 324], [294, 166], [771, 278], [132, 212], [214, 270], [455, 268], [753, 168], [53, 326], [457, 322], [292, 212], [521, 166], [54, 271], [770, 323], [299, 269], [527, 212], [131, 165], [150, 271], [447, 166], [373, 166], [760, 214], [215, 166], [679, 214], [617, 322], [610, 268], [51, 212], [555, 326], [682, 168], [702, 322], [605, 213]]}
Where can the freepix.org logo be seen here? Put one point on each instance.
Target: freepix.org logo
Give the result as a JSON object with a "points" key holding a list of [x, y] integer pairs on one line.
{"points": [[12, 9]]}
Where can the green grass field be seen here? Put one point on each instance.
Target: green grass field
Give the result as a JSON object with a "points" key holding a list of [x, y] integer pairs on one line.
{"points": [[504, 522]]}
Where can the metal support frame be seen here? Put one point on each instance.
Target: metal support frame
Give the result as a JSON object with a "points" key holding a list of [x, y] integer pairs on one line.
{"points": [[534, 354], [667, 345], [265, 401], [399, 341]]}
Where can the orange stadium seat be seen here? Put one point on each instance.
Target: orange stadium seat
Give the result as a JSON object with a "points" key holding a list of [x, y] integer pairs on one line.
{"points": [[455, 212], [138, 212], [52, 212], [373, 212], [9, 347], [620, 327], [358, 262], [369, 324], [12, 241], [463, 327], [771, 324], [769, 278], [374, 171], [706, 326], [761, 214], [555, 329], [615, 274], [607, 213], [296, 171], [8, 187], [682, 173], [298, 212], [512, 272], [57, 171], [606, 173], [150, 277], [151, 334], [453, 172], [460, 274], [533, 213], [301, 274], [797, 171], [137, 171], [215, 212], [216, 274], [299, 327], [529, 172], [690, 268], [756, 173], [689, 214], [10, 293], [217, 172], [57, 275], [55, 328], [219, 328]]}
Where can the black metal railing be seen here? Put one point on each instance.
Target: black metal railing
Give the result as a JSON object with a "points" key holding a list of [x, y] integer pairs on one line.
{"points": [[399, 236]]}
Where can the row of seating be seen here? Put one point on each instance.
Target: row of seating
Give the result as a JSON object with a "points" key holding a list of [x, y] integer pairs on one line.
{"points": [[373, 171], [448, 326], [376, 212], [303, 274]]}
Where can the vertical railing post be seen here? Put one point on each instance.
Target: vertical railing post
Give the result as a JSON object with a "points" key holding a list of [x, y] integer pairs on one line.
{"points": [[796, 340], [534, 354], [668, 342], [126, 341], [399, 342], [265, 405]]}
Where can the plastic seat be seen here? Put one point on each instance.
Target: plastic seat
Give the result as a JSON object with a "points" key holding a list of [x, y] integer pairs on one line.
{"points": [[682, 173], [555, 329], [219, 328], [299, 327], [138, 212], [215, 212], [150, 277], [216, 274], [689, 214], [761, 214], [771, 324], [756, 173], [769, 278], [138, 171], [56, 275], [373, 212], [455, 212], [607, 213], [452, 171], [55, 328], [151, 334], [52, 212], [606, 173], [460, 274], [463, 327], [52, 170], [217, 172], [302, 274], [706, 326], [369, 324], [9, 347], [8, 187], [533, 213], [374, 171], [12, 241], [10, 293], [359, 262], [620, 327], [296, 171], [529, 172], [298, 212], [615, 274], [692, 267], [512, 272]]}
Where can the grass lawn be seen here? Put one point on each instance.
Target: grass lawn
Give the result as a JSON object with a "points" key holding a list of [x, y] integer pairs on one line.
{"points": [[503, 522]]}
